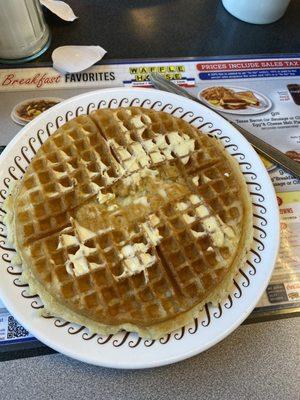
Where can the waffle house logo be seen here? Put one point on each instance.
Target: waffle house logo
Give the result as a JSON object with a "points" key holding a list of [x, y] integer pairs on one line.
{"points": [[140, 75]]}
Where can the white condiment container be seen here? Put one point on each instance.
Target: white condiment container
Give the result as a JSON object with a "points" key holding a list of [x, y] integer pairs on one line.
{"points": [[24, 34], [257, 11]]}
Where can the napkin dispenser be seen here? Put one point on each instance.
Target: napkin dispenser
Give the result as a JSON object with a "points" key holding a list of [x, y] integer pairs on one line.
{"points": [[24, 35]]}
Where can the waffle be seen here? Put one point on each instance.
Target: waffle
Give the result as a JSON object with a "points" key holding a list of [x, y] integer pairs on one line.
{"points": [[130, 219]]}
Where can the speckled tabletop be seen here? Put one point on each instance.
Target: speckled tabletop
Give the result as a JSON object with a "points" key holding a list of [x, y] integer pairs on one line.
{"points": [[257, 361]]}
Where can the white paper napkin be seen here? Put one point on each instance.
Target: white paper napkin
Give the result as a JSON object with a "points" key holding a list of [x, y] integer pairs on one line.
{"points": [[59, 8], [76, 58]]}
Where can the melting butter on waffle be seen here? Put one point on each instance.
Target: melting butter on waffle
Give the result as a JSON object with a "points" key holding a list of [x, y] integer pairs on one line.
{"points": [[130, 219]]}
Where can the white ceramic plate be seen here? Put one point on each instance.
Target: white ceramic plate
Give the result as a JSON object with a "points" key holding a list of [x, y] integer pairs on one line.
{"points": [[22, 121], [264, 102], [127, 350]]}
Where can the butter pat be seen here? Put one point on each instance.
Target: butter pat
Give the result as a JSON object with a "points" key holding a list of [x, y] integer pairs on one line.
{"points": [[82, 233], [77, 263], [127, 251], [136, 177], [104, 198], [135, 260], [154, 220], [212, 227], [66, 241], [181, 145], [195, 199], [157, 157], [162, 193], [142, 201], [152, 233], [149, 146], [206, 179], [202, 211], [188, 219], [131, 165], [195, 180], [181, 206], [198, 234]]}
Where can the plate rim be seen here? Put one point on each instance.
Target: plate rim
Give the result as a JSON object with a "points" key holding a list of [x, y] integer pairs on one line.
{"points": [[263, 284]]}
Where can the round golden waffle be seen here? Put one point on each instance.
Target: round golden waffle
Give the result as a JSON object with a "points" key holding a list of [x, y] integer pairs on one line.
{"points": [[131, 219]]}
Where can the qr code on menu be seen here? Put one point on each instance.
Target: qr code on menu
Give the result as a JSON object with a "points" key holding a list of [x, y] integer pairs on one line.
{"points": [[14, 329]]}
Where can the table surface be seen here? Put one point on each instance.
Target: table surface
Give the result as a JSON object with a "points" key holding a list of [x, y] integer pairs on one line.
{"points": [[171, 28], [257, 361]]}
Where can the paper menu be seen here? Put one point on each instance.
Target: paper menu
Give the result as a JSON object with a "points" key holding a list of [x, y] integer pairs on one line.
{"points": [[273, 81]]}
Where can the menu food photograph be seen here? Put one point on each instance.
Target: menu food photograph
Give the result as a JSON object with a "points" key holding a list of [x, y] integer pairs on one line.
{"points": [[143, 223]]}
